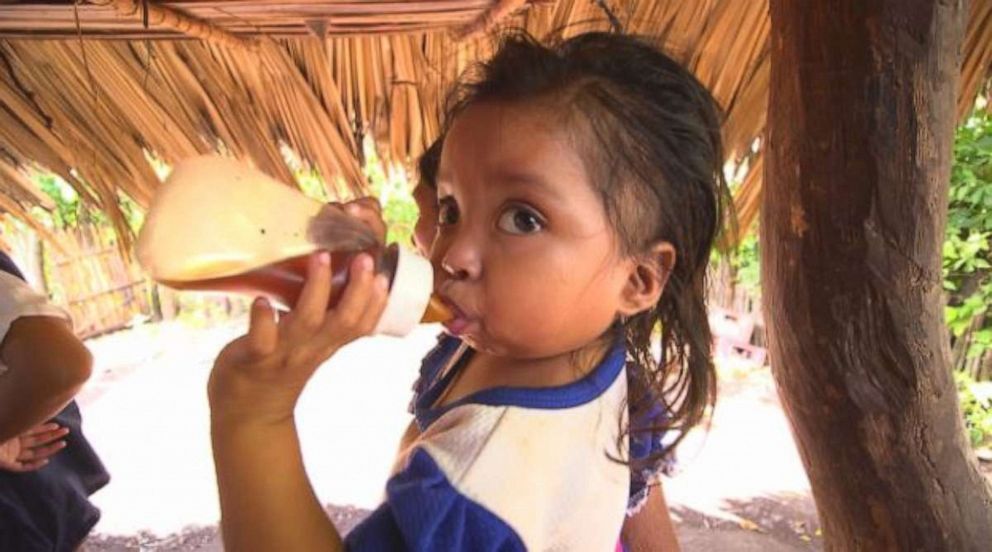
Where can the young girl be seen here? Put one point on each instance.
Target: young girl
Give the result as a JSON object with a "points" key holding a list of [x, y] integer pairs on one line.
{"points": [[648, 525], [579, 190]]}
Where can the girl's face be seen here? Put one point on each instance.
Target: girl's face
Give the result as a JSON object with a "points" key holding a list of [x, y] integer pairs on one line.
{"points": [[524, 251]]}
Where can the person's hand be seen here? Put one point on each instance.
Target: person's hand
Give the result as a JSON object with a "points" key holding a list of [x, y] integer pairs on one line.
{"points": [[260, 376], [31, 450], [367, 210]]}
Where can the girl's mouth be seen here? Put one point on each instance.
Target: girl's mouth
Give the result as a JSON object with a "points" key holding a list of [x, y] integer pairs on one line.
{"points": [[460, 322], [456, 326]]}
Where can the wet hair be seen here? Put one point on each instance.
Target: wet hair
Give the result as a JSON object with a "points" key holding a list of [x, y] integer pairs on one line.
{"points": [[649, 133], [428, 164]]}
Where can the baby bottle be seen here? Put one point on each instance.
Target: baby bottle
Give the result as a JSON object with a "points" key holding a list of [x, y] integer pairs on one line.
{"points": [[218, 225]]}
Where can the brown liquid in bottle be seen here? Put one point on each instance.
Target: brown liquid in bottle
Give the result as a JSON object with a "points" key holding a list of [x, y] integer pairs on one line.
{"points": [[282, 282]]}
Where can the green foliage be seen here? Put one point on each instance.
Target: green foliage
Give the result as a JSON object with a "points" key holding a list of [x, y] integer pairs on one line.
{"points": [[68, 210], [133, 214], [746, 262], [311, 183], [976, 404], [399, 211], [967, 263], [967, 260]]}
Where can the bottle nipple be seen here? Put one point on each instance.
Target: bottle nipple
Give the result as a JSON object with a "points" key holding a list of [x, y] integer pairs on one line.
{"points": [[436, 311]]}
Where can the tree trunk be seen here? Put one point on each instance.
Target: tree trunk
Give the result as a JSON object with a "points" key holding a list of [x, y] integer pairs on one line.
{"points": [[985, 371], [860, 125]]}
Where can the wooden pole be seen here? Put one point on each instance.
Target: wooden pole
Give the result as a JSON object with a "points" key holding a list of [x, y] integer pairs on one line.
{"points": [[160, 16], [488, 19], [861, 117]]}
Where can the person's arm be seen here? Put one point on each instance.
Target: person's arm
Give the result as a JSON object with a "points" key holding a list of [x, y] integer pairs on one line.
{"points": [[46, 367], [651, 529], [267, 502]]}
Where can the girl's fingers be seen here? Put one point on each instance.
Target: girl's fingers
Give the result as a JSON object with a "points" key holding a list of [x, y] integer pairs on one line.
{"points": [[365, 204], [376, 303], [312, 304], [263, 332], [369, 211], [345, 331], [345, 318]]}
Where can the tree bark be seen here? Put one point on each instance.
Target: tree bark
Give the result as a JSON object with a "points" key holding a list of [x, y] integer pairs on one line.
{"points": [[860, 126]]}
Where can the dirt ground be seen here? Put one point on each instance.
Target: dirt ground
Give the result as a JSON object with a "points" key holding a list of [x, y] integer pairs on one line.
{"points": [[739, 486]]}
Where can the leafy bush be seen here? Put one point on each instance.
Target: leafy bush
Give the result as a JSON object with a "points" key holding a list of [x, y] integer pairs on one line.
{"points": [[393, 190], [976, 404], [746, 262], [967, 258]]}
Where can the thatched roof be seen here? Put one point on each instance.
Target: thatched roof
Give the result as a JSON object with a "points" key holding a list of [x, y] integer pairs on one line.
{"points": [[87, 89]]}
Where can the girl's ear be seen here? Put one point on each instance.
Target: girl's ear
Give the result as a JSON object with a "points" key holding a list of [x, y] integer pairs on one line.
{"points": [[647, 279]]}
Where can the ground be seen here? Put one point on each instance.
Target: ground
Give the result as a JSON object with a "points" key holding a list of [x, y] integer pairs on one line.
{"points": [[739, 486]]}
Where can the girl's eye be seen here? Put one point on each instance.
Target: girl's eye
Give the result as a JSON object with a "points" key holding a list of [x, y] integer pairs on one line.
{"points": [[517, 220], [447, 211]]}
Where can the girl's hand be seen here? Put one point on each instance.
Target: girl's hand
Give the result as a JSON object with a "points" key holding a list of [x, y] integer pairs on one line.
{"points": [[367, 210], [31, 450], [260, 376]]}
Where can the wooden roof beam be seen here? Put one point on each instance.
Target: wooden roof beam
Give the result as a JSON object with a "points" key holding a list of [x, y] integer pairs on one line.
{"points": [[161, 16], [489, 19]]}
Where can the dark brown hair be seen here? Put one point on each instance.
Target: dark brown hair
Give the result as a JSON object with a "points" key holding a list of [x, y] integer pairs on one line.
{"points": [[651, 135], [428, 164]]}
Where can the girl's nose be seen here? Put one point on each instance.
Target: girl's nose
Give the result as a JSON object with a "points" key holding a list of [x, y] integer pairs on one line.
{"points": [[462, 260]]}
